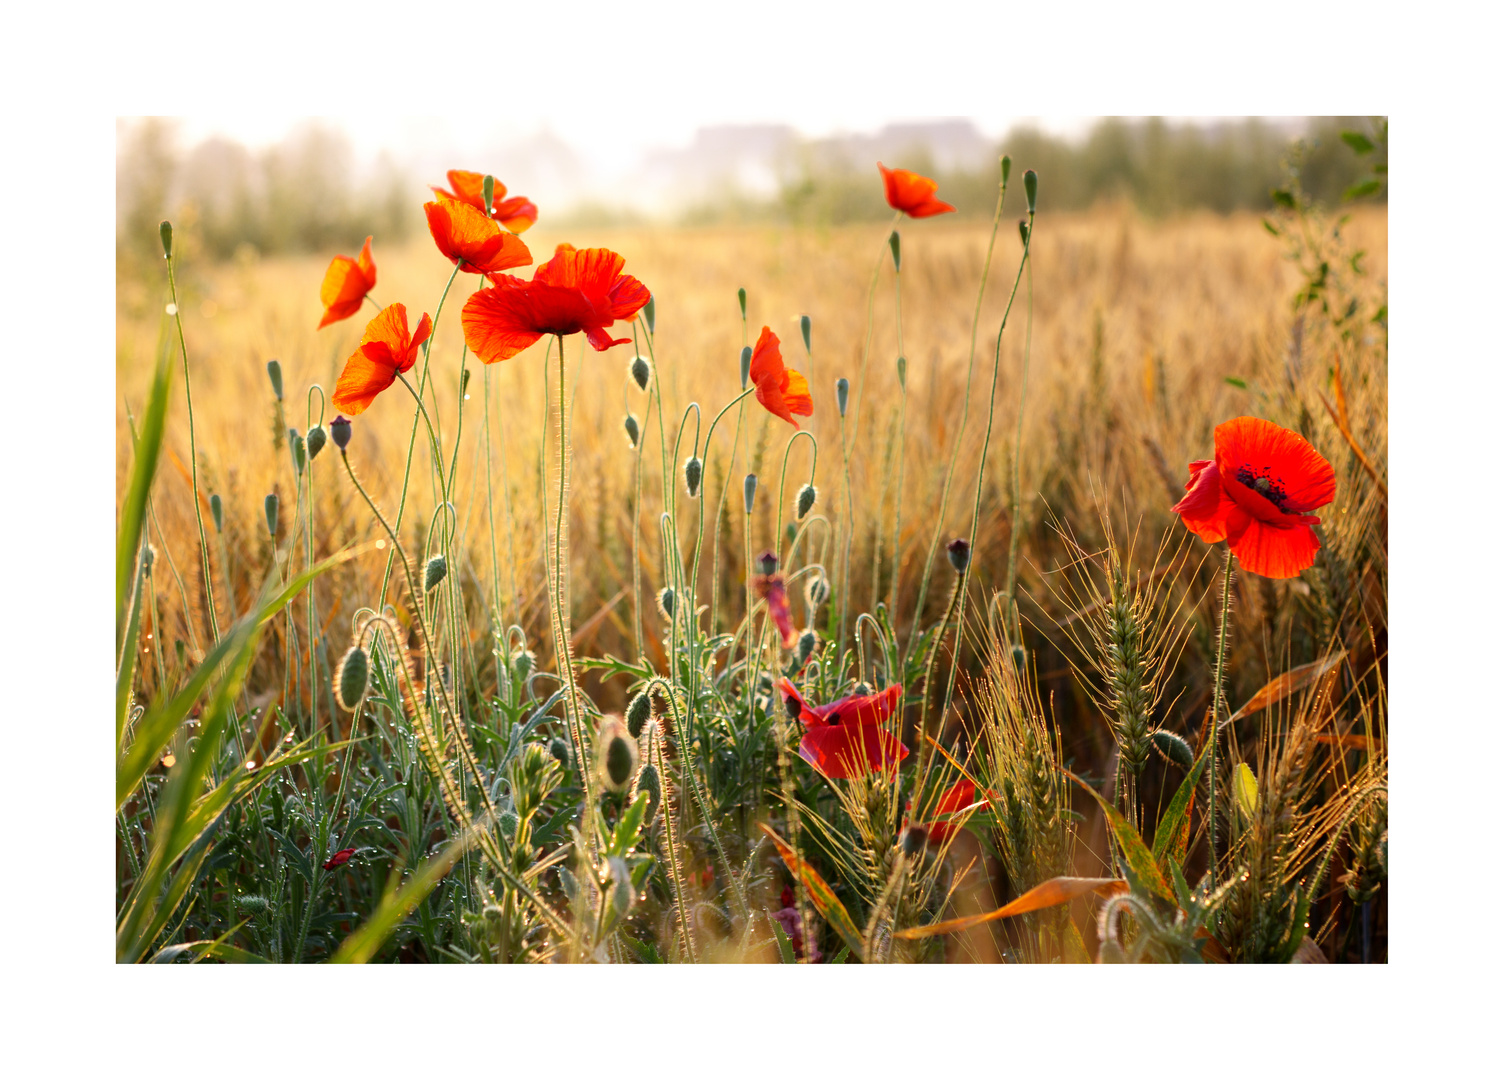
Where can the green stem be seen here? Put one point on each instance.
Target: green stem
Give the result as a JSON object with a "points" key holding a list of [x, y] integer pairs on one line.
{"points": [[903, 411], [1217, 702], [1018, 447]]}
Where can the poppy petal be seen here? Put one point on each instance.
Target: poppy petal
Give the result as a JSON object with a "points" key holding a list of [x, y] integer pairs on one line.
{"points": [[498, 323], [767, 358], [1275, 552], [517, 214], [1303, 478], [912, 193], [425, 328], [467, 237], [845, 752], [363, 378], [390, 328], [367, 265], [796, 395], [1206, 505], [600, 340], [345, 286]]}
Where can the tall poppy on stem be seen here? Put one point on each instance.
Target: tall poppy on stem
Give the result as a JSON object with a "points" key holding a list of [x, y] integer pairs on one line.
{"points": [[385, 351], [577, 291], [911, 193], [845, 739], [346, 283], [769, 585], [471, 240], [782, 391], [1257, 493], [516, 213]]}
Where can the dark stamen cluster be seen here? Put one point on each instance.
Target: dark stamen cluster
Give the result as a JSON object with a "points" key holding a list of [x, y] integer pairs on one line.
{"points": [[1267, 486]]}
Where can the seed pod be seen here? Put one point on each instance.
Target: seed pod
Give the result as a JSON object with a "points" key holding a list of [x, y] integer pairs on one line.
{"points": [[1031, 188], [317, 437], [741, 300], [650, 314], [619, 758], [350, 680], [804, 331], [1006, 163], [339, 431], [647, 780], [843, 390], [633, 431], [560, 750], [958, 551], [903, 372], [693, 468], [746, 362], [817, 591], [299, 451], [274, 372], [893, 246], [914, 839], [641, 371], [638, 713], [434, 572], [806, 503], [217, 511], [1173, 747], [164, 230], [1023, 232], [749, 491], [666, 602], [271, 514], [806, 647]]}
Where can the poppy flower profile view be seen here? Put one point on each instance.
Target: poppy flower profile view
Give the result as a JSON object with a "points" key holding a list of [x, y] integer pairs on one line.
{"points": [[845, 739], [385, 351], [346, 283], [911, 193], [517, 214]]}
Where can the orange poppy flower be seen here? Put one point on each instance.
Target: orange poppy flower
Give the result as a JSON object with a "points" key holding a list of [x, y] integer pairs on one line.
{"points": [[1258, 495], [846, 739], [782, 391], [385, 350], [912, 193], [516, 213], [577, 291], [473, 241], [346, 283]]}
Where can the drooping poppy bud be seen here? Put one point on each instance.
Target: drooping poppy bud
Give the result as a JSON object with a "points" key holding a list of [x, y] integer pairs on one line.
{"points": [[271, 514], [804, 331], [693, 468], [1023, 232], [632, 430], [741, 299], [164, 230], [560, 750], [648, 780], [746, 363], [749, 491], [1006, 163], [1031, 188], [274, 372], [650, 314], [903, 372], [817, 591], [1173, 747], [807, 642], [507, 821], [843, 391], [339, 431], [434, 572], [523, 664], [619, 754], [958, 551], [487, 192], [217, 511], [894, 247], [351, 678], [317, 437], [639, 710], [339, 858], [666, 602], [767, 563], [806, 503], [299, 451], [641, 371]]}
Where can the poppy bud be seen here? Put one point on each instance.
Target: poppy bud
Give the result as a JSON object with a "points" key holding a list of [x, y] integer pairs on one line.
{"points": [[806, 649], [1006, 163], [299, 451], [1173, 747], [914, 839], [522, 665], [861, 689], [434, 572], [253, 905], [560, 750], [217, 511], [749, 491], [1023, 232], [817, 591], [641, 370], [339, 431], [487, 191], [741, 299], [619, 761], [789, 532], [1111, 953], [804, 330], [350, 679], [958, 551], [806, 503], [507, 820], [638, 712], [650, 314], [630, 424], [666, 601], [271, 514], [843, 390], [274, 372], [746, 364], [164, 230], [692, 470], [903, 372], [791, 707], [648, 781], [317, 437], [767, 563], [1031, 188], [893, 246]]}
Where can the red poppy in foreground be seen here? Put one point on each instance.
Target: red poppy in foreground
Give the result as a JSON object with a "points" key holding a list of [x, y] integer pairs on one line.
{"points": [[577, 291], [782, 391], [845, 739], [339, 858], [1258, 495], [385, 351], [955, 799], [912, 193], [516, 213], [346, 283], [472, 241]]}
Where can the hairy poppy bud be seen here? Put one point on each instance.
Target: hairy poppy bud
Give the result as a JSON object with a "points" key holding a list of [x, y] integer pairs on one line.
{"points": [[767, 563], [487, 192], [648, 780], [843, 391], [692, 470], [958, 551], [741, 299], [217, 511], [749, 491], [641, 370], [806, 649], [507, 820], [274, 372], [271, 514], [619, 756], [522, 665], [339, 431], [806, 503], [434, 572], [914, 839], [1173, 747], [804, 330], [632, 430], [746, 364], [893, 246], [1006, 163], [299, 450], [164, 230], [1031, 188], [560, 750], [1023, 232], [817, 591], [666, 601], [861, 689], [638, 712], [350, 679], [903, 372], [317, 437]]}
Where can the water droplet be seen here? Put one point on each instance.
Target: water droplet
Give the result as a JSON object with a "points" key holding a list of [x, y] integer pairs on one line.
{"points": [[250, 766], [467, 397], [172, 309], [380, 544]]}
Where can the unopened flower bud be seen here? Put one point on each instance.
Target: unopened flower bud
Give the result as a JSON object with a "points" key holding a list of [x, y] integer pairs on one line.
{"points": [[523, 664], [507, 821], [487, 193], [639, 710], [271, 514], [317, 437], [791, 707], [350, 680], [619, 755], [767, 563], [806, 502], [339, 431], [914, 839], [749, 491], [1006, 163], [903, 372], [746, 362], [641, 370], [648, 780], [1111, 953], [1023, 232], [817, 591], [434, 572], [650, 314], [666, 601], [632, 430], [1173, 747], [893, 246], [806, 647], [164, 230], [741, 300], [843, 391], [560, 750], [1031, 188], [693, 467], [1020, 657], [958, 551], [274, 372], [299, 450], [217, 511], [804, 331]]}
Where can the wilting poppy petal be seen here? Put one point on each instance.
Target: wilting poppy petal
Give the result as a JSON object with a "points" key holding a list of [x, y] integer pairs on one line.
{"points": [[771, 588], [912, 193], [345, 285], [471, 240], [339, 858], [846, 751], [517, 214]]}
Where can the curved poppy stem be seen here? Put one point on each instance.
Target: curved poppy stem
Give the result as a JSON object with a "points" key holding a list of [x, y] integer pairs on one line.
{"points": [[814, 457], [372, 299], [903, 412], [861, 378], [850, 529], [1018, 449], [313, 656], [694, 574], [1217, 705]]}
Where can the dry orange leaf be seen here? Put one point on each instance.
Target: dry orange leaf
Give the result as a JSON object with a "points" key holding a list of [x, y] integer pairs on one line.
{"points": [[1292, 681], [1058, 890]]}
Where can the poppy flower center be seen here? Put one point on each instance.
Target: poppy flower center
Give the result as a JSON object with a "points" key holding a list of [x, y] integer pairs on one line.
{"points": [[1269, 487]]}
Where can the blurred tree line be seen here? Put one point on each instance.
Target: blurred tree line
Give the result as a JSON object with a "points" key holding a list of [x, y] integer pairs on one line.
{"points": [[227, 201]]}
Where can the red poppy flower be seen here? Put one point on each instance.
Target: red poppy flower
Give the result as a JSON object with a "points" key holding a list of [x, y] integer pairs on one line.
{"points": [[516, 213], [339, 858], [576, 291], [1258, 495], [346, 283], [845, 739], [471, 240], [912, 193], [770, 587], [385, 350], [782, 391], [955, 799]]}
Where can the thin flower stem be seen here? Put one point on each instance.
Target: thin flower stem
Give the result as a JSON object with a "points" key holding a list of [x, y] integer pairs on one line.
{"points": [[720, 506], [861, 378], [1011, 606], [814, 457], [850, 530], [903, 411], [1217, 704]]}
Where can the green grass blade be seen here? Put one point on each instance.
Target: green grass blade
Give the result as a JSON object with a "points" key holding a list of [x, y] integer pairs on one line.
{"points": [[143, 471]]}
